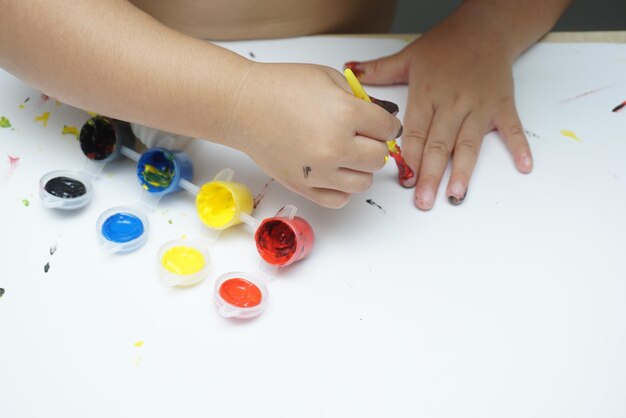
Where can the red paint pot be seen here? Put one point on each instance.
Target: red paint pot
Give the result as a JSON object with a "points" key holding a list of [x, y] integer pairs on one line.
{"points": [[284, 238]]}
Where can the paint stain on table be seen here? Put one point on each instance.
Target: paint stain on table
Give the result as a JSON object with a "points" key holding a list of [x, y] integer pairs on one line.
{"points": [[570, 134], [46, 268], [1, 292], [43, 118], [70, 130], [4, 122], [372, 203], [139, 343], [26, 202]]}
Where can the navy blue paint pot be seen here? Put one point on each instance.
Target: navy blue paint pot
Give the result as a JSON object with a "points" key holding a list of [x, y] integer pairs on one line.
{"points": [[122, 229], [160, 170], [101, 138]]}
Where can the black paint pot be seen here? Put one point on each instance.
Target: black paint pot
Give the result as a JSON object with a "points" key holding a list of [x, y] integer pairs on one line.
{"points": [[64, 189]]}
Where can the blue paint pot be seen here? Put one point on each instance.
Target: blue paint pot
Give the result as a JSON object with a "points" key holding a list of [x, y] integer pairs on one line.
{"points": [[160, 170], [122, 229]]}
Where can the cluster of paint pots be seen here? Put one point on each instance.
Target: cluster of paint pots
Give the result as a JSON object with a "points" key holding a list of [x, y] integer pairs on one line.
{"points": [[221, 203]]}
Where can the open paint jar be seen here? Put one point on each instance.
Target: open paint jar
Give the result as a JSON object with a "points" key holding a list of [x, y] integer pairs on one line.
{"points": [[183, 262], [160, 171], [65, 189], [221, 202], [122, 229], [285, 238], [101, 139], [241, 295]]}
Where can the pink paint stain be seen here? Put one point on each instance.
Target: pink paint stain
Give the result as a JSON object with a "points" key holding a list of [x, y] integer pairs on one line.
{"points": [[13, 163]]}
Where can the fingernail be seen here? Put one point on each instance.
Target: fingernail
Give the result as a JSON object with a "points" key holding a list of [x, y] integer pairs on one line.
{"points": [[400, 132], [527, 162], [457, 194], [356, 67], [390, 107], [425, 199]]}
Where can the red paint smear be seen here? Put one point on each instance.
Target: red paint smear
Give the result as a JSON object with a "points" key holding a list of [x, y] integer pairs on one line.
{"points": [[44, 97], [13, 160], [404, 171], [356, 67], [241, 293]]}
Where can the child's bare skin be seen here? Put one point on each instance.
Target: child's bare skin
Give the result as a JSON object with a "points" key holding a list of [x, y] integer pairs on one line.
{"points": [[145, 66]]}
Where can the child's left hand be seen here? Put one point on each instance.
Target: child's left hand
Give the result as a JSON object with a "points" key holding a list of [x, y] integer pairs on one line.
{"points": [[460, 87]]}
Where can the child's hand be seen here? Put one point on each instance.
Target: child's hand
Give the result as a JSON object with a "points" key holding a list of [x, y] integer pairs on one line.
{"points": [[302, 125], [459, 89]]}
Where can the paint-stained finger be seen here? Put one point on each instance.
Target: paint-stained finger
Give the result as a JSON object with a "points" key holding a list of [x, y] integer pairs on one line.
{"points": [[439, 146], [465, 155], [417, 121], [508, 124]]}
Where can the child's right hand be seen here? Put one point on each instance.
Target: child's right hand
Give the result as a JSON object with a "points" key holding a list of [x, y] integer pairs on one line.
{"points": [[303, 126]]}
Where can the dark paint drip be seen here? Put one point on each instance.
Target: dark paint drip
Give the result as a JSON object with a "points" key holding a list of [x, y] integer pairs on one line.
{"points": [[390, 107], [252, 54], [1, 292], [53, 249], [26, 100], [619, 107], [531, 134], [404, 171], [261, 195], [306, 170], [371, 202], [65, 187], [356, 67], [46, 268], [97, 138], [276, 242]]}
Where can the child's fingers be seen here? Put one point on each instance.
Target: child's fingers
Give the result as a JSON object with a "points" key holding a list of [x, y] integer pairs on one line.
{"points": [[465, 155], [439, 145], [333, 199], [392, 69], [365, 155], [417, 120], [375, 122], [509, 126], [341, 179]]}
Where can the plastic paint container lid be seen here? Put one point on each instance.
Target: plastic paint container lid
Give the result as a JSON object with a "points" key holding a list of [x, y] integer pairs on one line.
{"points": [[63, 189], [241, 295], [183, 262], [122, 229]]}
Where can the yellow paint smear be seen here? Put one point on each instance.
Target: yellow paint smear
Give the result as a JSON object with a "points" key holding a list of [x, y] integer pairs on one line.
{"points": [[22, 106], [138, 343], [183, 260], [570, 134], [70, 130], [43, 118]]}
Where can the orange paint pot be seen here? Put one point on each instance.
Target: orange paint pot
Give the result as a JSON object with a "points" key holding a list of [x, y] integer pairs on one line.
{"points": [[241, 295], [284, 238]]}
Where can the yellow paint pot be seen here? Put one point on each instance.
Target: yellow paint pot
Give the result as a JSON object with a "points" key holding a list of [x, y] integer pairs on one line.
{"points": [[221, 201], [183, 262]]}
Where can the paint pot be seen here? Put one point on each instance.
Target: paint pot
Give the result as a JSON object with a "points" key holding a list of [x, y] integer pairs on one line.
{"points": [[241, 295], [183, 262], [221, 202], [101, 140], [284, 238], [122, 229], [64, 189], [160, 170]]}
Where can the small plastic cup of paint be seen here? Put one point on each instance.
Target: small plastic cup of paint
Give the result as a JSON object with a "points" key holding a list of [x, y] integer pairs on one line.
{"points": [[122, 229], [221, 202], [285, 238], [63, 189], [183, 262], [101, 140], [160, 170], [241, 295]]}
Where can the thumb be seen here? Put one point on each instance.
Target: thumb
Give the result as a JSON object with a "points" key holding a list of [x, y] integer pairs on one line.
{"points": [[392, 69]]}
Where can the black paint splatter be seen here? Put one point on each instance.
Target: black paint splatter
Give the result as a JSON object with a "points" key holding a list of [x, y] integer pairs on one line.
{"points": [[53, 249], [306, 170], [618, 107], [531, 134], [46, 268], [1, 292], [371, 202], [26, 100], [261, 195], [252, 54]]}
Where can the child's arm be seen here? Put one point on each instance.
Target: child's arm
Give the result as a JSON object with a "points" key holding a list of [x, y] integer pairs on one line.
{"points": [[461, 86], [299, 122]]}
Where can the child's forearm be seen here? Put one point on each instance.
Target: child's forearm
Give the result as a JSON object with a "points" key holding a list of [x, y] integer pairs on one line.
{"points": [[109, 57], [510, 25]]}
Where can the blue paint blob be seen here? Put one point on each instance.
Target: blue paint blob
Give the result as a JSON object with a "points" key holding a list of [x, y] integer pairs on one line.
{"points": [[122, 227]]}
